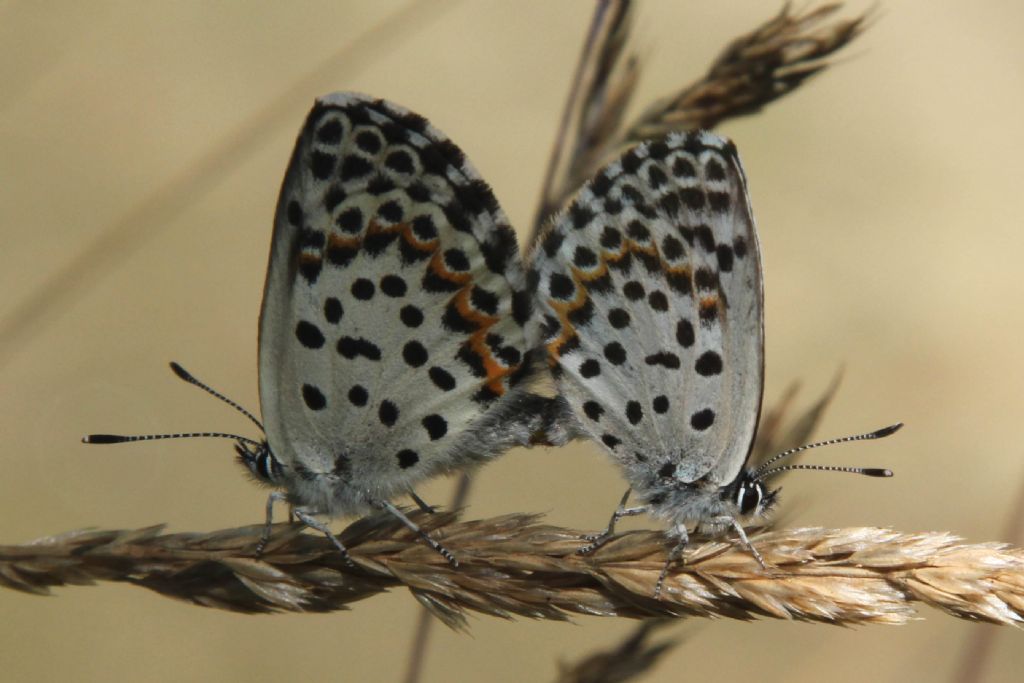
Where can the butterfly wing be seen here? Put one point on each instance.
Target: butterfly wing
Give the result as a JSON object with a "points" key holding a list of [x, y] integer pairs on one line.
{"points": [[393, 315], [650, 290]]}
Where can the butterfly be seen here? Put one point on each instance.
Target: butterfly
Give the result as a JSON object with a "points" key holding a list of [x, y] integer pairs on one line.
{"points": [[393, 334], [651, 301]]}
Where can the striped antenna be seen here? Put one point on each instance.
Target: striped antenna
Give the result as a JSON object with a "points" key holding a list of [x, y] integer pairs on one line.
{"points": [[186, 376], [763, 470], [118, 438]]}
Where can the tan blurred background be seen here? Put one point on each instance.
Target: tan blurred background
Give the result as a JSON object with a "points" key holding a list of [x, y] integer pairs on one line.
{"points": [[888, 196]]}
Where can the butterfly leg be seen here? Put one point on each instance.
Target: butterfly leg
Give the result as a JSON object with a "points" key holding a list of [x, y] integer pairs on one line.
{"points": [[682, 538], [314, 523], [444, 552], [421, 504], [274, 497], [597, 540], [728, 521]]}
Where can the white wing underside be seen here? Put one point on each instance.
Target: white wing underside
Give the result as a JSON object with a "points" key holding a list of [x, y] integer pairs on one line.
{"points": [[650, 285], [393, 311]]}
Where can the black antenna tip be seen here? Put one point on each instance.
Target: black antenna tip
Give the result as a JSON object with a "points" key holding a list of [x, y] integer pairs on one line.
{"points": [[876, 472], [104, 438], [886, 431], [181, 372]]}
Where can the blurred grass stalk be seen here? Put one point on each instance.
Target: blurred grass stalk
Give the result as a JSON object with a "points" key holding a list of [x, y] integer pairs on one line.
{"points": [[630, 658]]}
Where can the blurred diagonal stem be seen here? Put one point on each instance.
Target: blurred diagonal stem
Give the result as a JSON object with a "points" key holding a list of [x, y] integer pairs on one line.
{"points": [[140, 224], [631, 657]]}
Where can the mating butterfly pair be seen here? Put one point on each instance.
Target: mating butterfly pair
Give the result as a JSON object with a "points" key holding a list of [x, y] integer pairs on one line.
{"points": [[400, 332]]}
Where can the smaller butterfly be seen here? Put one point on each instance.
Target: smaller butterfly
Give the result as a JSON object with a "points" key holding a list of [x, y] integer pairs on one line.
{"points": [[650, 291], [393, 334]]}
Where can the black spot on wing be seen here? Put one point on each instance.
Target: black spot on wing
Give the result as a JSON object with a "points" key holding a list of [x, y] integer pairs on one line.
{"points": [[353, 347], [368, 141], [584, 258], [702, 419], [415, 354], [484, 300], [633, 290], [719, 201], [706, 279], [739, 247], [634, 412], [580, 216], [330, 132], [615, 353], [353, 167], [665, 359], [658, 150], [672, 248], [321, 165], [714, 170], [350, 221], [552, 242], [390, 212], [593, 410], [709, 364], [358, 395], [725, 253], [611, 238], [333, 310], [658, 301], [436, 426], [618, 318], [411, 316], [683, 168], [500, 249], [313, 397], [561, 286], [400, 161], [295, 213], [441, 378], [692, 197], [363, 289], [705, 237], [590, 368], [333, 198], [309, 335], [685, 333], [407, 458], [393, 286], [580, 317], [387, 413]]}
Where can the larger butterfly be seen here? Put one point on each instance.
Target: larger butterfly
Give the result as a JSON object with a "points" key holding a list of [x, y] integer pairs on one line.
{"points": [[650, 289], [392, 336]]}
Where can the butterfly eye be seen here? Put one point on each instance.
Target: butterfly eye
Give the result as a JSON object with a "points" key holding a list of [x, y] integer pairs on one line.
{"points": [[749, 496]]}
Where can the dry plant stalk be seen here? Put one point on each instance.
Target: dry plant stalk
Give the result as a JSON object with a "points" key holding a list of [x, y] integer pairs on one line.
{"points": [[752, 71], [603, 86], [516, 566]]}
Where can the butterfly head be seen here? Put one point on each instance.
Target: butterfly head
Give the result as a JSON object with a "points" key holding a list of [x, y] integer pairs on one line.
{"points": [[750, 496], [257, 457]]}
